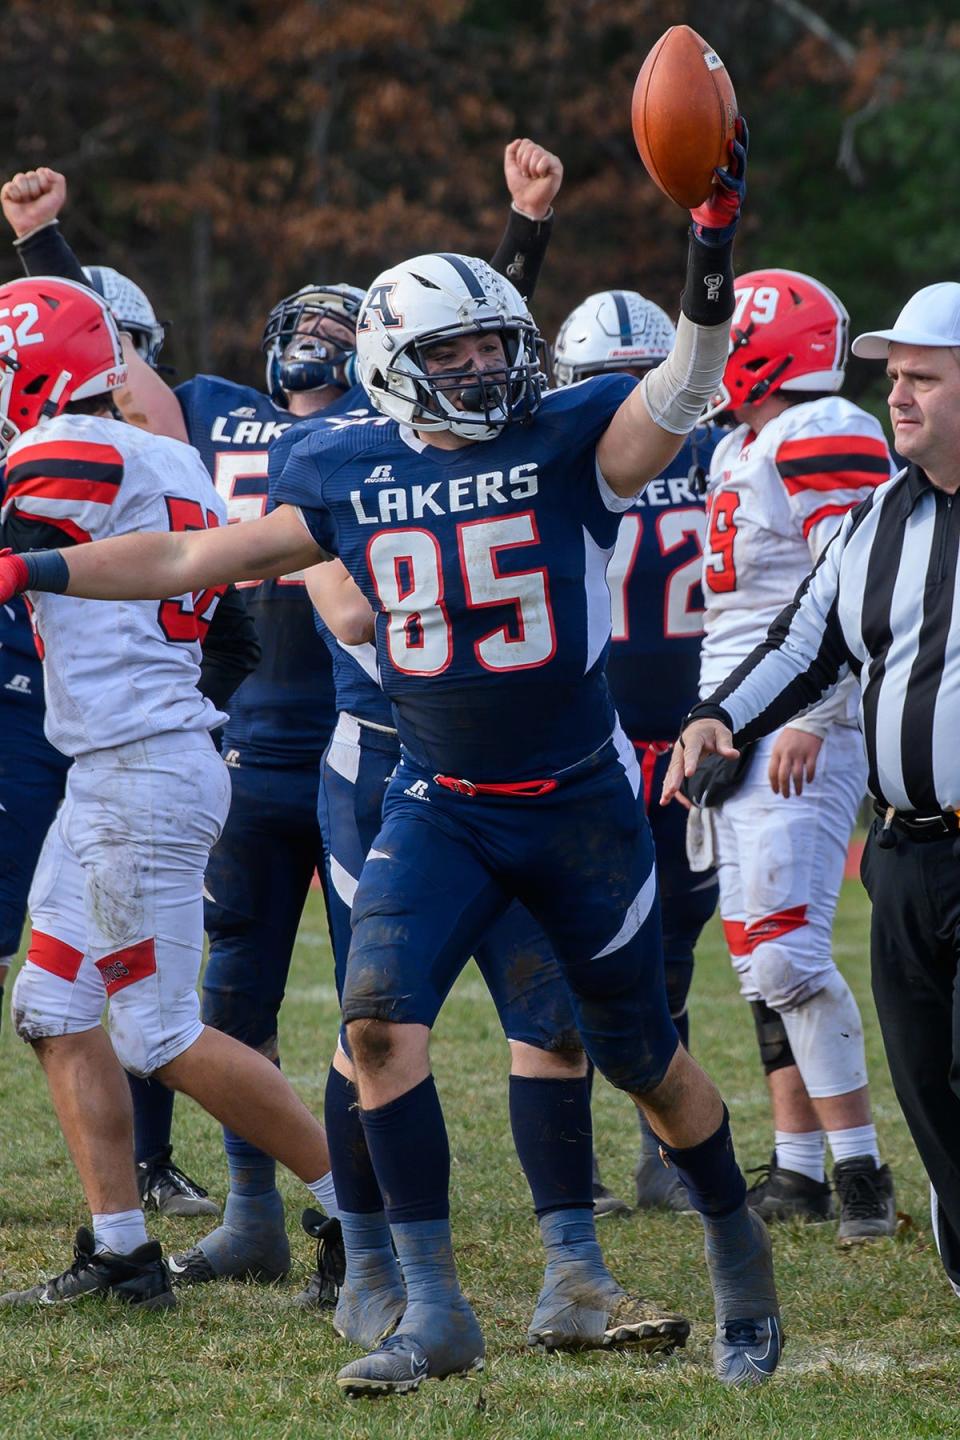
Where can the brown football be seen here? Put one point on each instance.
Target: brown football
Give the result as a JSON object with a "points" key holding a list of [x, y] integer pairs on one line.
{"points": [[684, 112]]}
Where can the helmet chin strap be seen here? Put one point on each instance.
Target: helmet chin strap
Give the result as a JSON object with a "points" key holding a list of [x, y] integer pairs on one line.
{"points": [[758, 392], [49, 407]]}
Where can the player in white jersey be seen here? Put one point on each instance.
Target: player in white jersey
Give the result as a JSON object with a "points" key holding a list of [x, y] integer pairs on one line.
{"points": [[799, 458], [116, 904]]}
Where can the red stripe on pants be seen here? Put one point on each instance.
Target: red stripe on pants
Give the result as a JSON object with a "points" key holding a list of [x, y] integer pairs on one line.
{"points": [[125, 967], [55, 956], [771, 927]]}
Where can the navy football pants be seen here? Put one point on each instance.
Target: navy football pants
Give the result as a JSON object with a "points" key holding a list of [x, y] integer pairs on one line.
{"points": [[512, 952], [257, 882], [444, 867]]}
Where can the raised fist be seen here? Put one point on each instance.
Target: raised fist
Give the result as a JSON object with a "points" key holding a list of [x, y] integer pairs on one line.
{"points": [[533, 175], [33, 198]]}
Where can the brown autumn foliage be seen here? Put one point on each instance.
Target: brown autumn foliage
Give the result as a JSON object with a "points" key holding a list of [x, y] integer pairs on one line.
{"points": [[224, 152]]}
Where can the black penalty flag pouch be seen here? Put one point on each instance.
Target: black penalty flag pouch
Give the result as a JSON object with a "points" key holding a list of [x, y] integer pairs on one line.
{"points": [[717, 778]]}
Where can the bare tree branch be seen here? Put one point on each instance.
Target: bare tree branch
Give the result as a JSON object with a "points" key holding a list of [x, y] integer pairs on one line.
{"points": [[816, 24]]}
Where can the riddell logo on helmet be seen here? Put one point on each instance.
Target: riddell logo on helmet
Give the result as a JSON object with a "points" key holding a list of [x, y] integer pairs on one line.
{"points": [[116, 378]]}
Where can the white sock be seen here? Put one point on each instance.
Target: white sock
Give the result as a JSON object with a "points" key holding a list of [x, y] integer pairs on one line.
{"points": [[801, 1151], [322, 1190], [120, 1232], [847, 1144]]}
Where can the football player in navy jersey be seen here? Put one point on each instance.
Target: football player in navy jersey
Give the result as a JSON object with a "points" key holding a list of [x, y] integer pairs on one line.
{"points": [[549, 1095], [479, 525], [260, 870], [657, 602]]}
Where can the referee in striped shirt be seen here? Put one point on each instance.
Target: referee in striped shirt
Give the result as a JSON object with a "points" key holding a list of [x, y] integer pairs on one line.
{"points": [[883, 603]]}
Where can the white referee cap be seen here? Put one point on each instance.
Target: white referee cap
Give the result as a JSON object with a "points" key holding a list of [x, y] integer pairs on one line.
{"points": [[931, 317]]}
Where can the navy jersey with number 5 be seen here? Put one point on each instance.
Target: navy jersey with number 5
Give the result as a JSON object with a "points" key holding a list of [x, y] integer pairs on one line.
{"points": [[283, 713], [657, 600], [487, 567]]}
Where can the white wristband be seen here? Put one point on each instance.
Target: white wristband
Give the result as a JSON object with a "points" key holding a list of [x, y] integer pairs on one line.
{"points": [[534, 219], [19, 239]]}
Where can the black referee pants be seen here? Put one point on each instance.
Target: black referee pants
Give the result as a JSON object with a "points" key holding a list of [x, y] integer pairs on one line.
{"points": [[914, 887]]}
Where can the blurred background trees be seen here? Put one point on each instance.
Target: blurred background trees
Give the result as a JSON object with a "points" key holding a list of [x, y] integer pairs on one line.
{"points": [[224, 152]]}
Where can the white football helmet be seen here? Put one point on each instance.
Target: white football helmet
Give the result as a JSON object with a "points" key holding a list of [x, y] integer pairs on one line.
{"points": [[612, 330], [131, 309], [440, 297]]}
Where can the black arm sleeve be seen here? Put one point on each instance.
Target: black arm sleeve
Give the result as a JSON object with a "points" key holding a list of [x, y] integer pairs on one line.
{"points": [[46, 252], [231, 650], [520, 253]]}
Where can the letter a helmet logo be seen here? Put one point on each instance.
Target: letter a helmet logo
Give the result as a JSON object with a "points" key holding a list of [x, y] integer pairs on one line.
{"points": [[379, 301]]}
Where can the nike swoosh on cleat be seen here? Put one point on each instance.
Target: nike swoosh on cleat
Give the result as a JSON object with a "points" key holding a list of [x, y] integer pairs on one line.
{"points": [[762, 1365]]}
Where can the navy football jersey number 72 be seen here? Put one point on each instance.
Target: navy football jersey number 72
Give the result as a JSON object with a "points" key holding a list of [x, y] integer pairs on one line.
{"points": [[657, 599]]}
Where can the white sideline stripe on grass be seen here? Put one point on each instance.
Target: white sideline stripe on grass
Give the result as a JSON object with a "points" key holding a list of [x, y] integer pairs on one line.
{"points": [[323, 994], [855, 1359]]}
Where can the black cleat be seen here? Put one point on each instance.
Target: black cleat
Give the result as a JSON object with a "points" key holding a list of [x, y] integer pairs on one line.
{"points": [[323, 1287], [782, 1194], [139, 1279], [868, 1209], [164, 1187]]}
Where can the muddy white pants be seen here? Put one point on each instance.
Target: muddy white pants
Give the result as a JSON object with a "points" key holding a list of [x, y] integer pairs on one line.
{"points": [[116, 903]]}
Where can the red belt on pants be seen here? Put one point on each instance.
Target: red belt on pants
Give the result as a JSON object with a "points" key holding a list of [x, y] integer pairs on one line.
{"points": [[528, 788]]}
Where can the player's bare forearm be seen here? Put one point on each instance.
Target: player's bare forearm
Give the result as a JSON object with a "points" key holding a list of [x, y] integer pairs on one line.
{"points": [[155, 565], [340, 603], [634, 448], [147, 401]]}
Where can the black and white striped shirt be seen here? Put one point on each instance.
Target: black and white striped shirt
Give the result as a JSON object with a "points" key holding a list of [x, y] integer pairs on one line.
{"points": [[882, 604]]}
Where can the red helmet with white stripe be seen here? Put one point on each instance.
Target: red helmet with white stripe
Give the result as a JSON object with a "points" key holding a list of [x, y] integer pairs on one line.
{"points": [[58, 343], [789, 332]]}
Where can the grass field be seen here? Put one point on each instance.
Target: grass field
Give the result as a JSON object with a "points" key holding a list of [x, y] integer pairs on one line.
{"points": [[872, 1336]]}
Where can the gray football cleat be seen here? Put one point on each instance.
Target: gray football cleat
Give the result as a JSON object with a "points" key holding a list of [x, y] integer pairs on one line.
{"points": [[748, 1339]]}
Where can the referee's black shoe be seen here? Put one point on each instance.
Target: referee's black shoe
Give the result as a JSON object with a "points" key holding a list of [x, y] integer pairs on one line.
{"points": [[781, 1194], [868, 1207], [139, 1279]]}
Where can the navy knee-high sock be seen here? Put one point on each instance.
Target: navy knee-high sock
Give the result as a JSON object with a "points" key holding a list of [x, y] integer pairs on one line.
{"points": [[407, 1143], [353, 1176], [710, 1172], [553, 1135], [152, 1116]]}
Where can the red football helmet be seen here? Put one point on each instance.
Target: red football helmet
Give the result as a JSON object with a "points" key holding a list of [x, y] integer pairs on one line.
{"points": [[789, 332], [58, 342]]}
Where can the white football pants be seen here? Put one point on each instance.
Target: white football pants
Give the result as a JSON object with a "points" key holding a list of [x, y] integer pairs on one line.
{"points": [[116, 903]]}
